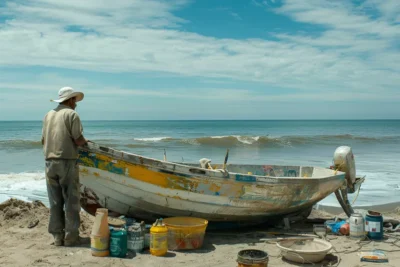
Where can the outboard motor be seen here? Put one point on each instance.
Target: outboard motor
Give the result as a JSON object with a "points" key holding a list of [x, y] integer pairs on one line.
{"points": [[343, 160]]}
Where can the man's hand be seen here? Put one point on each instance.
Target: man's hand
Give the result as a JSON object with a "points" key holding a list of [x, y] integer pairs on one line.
{"points": [[80, 141]]}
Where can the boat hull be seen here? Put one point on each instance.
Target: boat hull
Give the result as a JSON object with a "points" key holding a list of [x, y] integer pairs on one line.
{"points": [[148, 189]]}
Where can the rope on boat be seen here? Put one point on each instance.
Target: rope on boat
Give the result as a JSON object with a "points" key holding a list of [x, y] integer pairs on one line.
{"points": [[358, 191]]}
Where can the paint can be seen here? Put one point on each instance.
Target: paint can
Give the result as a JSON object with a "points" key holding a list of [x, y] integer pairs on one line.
{"points": [[252, 258], [357, 226], [136, 237], [374, 225], [118, 242], [136, 244]]}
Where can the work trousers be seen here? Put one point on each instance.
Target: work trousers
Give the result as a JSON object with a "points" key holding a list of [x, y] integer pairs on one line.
{"points": [[62, 179]]}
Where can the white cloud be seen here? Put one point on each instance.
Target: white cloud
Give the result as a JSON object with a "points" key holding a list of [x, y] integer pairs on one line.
{"points": [[97, 13], [42, 89], [236, 16], [355, 53], [341, 17], [389, 9]]}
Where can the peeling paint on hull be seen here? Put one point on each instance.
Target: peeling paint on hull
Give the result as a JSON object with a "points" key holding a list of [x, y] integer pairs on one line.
{"points": [[147, 188]]}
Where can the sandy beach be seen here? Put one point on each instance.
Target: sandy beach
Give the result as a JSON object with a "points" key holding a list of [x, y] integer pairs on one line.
{"points": [[26, 242]]}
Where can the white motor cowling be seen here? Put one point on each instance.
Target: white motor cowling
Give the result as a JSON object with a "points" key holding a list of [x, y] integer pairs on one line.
{"points": [[343, 160]]}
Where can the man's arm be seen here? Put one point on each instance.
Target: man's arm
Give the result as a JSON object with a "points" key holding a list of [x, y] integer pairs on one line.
{"points": [[77, 130]]}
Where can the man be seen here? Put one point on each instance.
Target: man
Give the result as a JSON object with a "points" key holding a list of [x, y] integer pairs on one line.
{"points": [[62, 134]]}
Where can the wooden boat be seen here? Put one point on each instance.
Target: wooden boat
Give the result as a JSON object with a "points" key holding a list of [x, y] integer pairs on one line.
{"points": [[146, 188]]}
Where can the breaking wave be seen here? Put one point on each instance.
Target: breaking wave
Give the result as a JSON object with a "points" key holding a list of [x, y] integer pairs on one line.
{"points": [[152, 139], [289, 141], [24, 186], [262, 141], [219, 141]]}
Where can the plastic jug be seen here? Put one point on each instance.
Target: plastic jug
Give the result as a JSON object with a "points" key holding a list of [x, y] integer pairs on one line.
{"points": [[100, 235], [118, 242], [158, 239]]}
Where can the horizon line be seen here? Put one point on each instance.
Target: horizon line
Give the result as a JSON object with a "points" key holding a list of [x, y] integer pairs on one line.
{"points": [[109, 120]]}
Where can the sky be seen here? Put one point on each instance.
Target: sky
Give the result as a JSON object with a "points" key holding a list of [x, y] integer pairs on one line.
{"points": [[205, 59]]}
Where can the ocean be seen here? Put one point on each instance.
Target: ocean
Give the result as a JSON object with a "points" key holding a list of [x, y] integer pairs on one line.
{"points": [[375, 144]]}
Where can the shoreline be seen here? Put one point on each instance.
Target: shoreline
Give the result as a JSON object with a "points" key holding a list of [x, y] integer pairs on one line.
{"points": [[383, 208]]}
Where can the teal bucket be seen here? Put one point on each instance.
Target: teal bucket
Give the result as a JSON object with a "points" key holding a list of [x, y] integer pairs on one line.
{"points": [[374, 225], [118, 243]]}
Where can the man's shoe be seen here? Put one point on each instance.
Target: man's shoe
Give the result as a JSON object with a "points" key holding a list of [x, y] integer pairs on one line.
{"points": [[58, 240], [58, 243], [72, 242]]}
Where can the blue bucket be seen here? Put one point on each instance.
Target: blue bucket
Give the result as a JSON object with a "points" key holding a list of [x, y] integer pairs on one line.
{"points": [[374, 225], [118, 243]]}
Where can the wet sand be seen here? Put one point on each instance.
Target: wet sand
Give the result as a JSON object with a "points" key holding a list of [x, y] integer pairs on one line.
{"points": [[383, 208]]}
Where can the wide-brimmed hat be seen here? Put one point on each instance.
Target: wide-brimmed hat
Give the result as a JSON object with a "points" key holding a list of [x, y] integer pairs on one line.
{"points": [[66, 93]]}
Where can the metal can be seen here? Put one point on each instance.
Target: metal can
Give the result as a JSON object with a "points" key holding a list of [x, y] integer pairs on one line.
{"points": [[357, 224]]}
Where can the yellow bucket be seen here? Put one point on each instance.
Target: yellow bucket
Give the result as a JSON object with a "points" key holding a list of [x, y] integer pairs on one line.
{"points": [[185, 233]]}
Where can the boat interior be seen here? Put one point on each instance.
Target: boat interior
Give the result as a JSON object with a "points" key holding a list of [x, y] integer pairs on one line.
{"points": [[270, 170]]}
